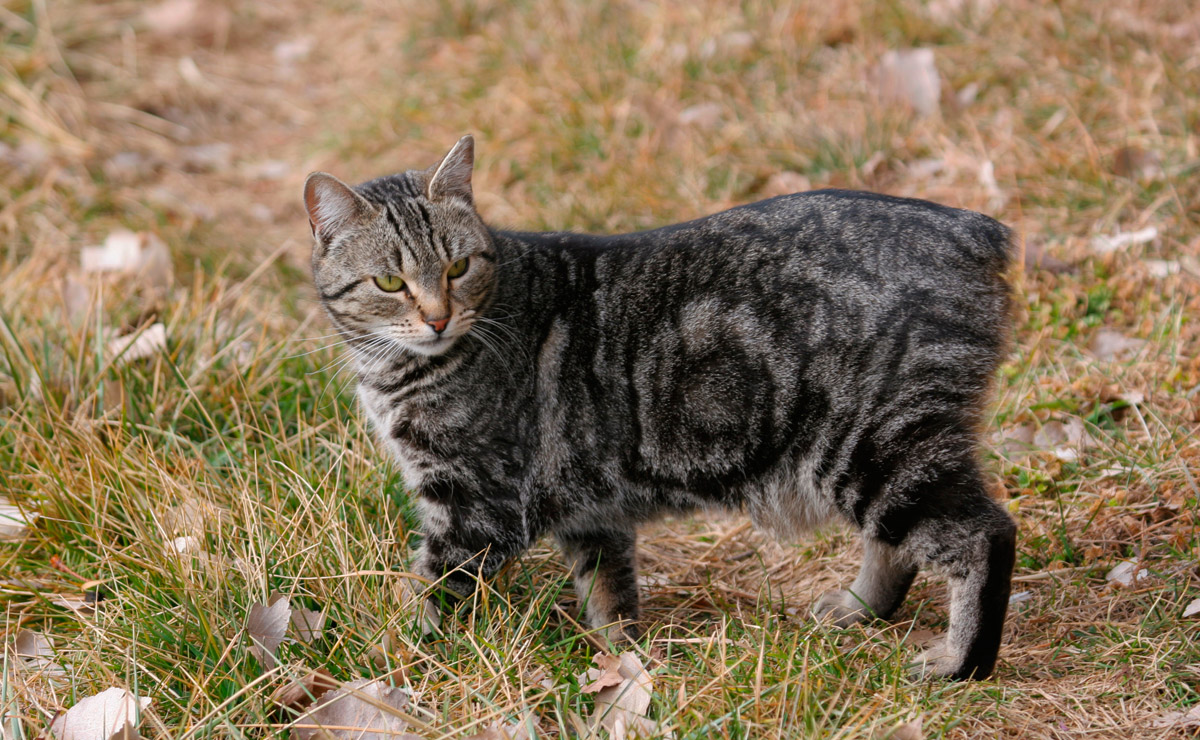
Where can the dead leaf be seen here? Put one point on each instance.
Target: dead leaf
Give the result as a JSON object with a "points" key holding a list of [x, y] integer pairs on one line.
{"points": [[701, 115], [910, 77], [32, 645], [949, 11], [309, 625], [1192, 609], [191, 517], [207, 157], [1137, 163], [269, 169], [142, 255], [14, 522], [1109, 344], [171, 17], [497, 731], [184, 545], [196, 19], [299, 694], [987, 178], [121, 252], [910, 730], [1103, 244], [1064, 438], [361, 710], [138, 345], [1179, 719], [81, 605], [111, 714], [1038, 257], [623, 690], [608, 674], [1162, 268], [266, 624], [921, 638], [1126, 573], [785, 183], [288, 53]]}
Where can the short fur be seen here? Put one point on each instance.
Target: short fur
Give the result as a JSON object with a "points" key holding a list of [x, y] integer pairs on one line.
{"points": [[816, 356]]}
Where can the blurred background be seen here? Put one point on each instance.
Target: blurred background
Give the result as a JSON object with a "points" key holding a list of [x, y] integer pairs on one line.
{"points": [[154, 276]]}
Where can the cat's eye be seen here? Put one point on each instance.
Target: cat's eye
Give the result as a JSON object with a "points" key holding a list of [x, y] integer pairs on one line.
{"points": [[457, 269], [389, 283]]}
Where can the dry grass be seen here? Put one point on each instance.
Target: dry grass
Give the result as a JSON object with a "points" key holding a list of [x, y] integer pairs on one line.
{"points": [[588, 117]]}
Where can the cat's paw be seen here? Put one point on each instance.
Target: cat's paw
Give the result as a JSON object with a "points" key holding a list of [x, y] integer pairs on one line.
{"points": [[840, 608], [621, 632], [431, 618], [940, 662]]}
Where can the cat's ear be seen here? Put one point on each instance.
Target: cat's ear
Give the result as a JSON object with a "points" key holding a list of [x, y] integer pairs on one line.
{"points": [[332, 205], [452, 176]]}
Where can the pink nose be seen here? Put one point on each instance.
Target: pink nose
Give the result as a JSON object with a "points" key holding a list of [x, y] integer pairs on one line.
{"points": [[438, 325]]}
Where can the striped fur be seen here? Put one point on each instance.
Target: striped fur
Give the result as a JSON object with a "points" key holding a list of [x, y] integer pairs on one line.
{"points": [[816, 356]]}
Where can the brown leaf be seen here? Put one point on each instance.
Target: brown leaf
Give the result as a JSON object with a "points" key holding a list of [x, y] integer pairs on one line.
{"points": [[1179, 719], [141, 256], [921, 638], [1126, 573], [137, 345], [111, 714], [299, 694], [608, 674], [910, 730], [1192, 609], [1137, 163], [266, 624], [621, 708], [785, 183], [14, 522], [910, 77], [361, 710], [32, 645], [1109, 344], [309, 625], [1104, 244], [497, 731]]}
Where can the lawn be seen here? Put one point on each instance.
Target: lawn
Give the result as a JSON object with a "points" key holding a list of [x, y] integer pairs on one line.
{"points": [[178, 430]]}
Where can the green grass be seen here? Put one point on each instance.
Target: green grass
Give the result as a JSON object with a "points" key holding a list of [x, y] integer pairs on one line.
{"points": [[247, 419]]}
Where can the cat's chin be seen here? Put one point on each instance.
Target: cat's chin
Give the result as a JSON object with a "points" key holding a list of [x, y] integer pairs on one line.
{"points": [[432, 347]]}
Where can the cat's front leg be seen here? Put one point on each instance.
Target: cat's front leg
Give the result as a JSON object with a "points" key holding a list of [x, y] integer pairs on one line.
{"points": [[468, 537], [602, 561]]}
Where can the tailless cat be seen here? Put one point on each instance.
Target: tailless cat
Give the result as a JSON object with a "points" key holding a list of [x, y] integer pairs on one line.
{"points": [[812, 357]]}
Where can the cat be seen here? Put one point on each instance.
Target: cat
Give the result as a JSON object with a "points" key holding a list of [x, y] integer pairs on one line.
{"points": [[812, 357]]}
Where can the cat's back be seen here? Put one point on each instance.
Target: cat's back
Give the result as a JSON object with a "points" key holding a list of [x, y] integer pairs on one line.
{"points": [[821, 231], [860, 231]]}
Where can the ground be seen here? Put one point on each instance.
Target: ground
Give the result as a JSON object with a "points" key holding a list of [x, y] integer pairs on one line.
{"points": [[193, 124]]}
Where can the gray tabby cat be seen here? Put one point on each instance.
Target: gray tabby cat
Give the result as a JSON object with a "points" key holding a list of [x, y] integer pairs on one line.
{"points": [[811, 357]]}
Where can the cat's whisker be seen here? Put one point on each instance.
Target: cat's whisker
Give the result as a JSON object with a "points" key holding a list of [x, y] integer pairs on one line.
{"points": [[344, 341]]}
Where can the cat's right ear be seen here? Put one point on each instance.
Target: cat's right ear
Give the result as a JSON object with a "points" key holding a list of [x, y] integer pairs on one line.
{"points": [[332, 206]]}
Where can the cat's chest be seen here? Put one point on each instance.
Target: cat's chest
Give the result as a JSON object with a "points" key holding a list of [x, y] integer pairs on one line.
{"points": [[416, 431]]}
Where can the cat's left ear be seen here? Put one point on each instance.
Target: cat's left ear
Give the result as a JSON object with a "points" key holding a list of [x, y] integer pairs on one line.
{"points": [[452, 176]]}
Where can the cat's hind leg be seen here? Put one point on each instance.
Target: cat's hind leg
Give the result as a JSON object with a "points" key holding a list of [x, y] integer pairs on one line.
{"points": [[977, 554], [602, 562], [882, 583]]}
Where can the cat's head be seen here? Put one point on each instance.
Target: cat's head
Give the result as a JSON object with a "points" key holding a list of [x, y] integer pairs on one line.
{"points": [[402, 262]]}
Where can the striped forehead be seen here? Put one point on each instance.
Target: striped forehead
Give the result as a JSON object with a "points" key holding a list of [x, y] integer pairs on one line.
{"points": [[410, 222]]}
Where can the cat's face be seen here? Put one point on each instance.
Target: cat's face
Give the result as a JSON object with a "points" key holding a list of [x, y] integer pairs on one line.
{"points": [[403, 263]]}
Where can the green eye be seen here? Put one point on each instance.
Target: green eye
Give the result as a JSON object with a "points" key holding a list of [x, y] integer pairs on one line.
{"points": [[389, 283], [457, 269]]}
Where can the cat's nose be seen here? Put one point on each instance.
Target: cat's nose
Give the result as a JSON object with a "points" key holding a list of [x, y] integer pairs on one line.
{"points": [[438, 325]]}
